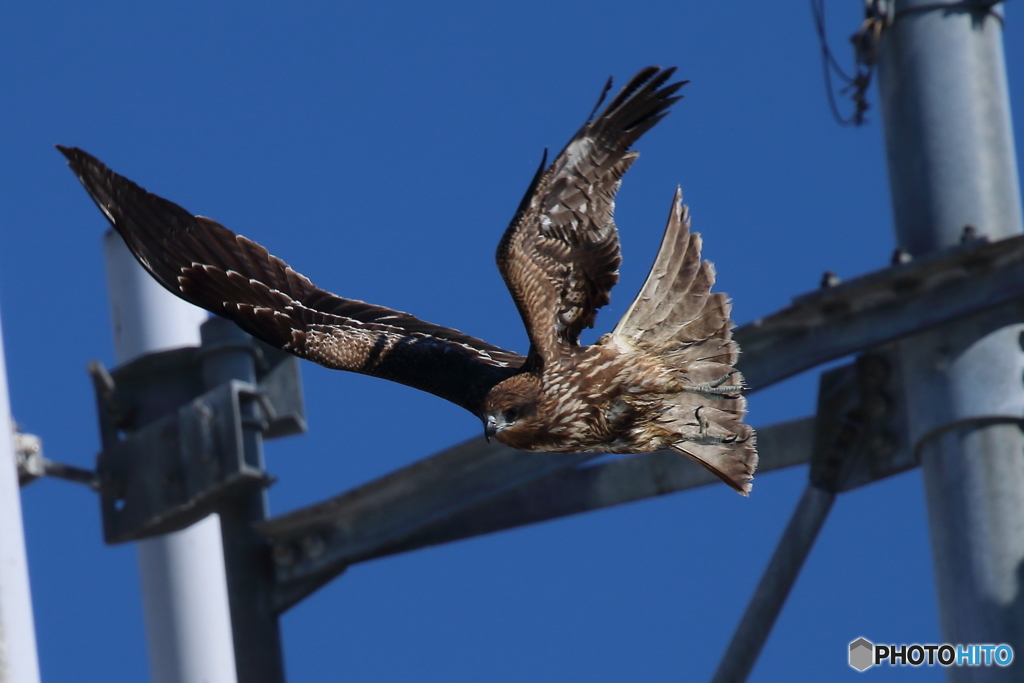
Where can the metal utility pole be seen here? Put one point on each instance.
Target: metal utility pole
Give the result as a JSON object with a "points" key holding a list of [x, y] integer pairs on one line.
{"points": [[184, 591], [229, 355], [951, 165], [18, 660]]}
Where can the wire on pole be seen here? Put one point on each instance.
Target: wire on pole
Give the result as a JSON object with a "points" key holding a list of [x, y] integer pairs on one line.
{"points": [[877, 17]]}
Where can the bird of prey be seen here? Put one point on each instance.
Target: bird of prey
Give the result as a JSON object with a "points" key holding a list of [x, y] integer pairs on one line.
{"points": [[663, 378]]}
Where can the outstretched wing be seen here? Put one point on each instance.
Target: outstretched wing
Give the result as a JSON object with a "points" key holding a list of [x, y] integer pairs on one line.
{"points": [[206, 264], [560, 256]]}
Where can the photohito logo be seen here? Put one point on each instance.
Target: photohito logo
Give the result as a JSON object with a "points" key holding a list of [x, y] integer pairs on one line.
{"points": [[864, 654]]}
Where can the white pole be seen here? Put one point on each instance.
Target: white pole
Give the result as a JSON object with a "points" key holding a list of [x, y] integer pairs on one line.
{"points": [[18, 660], [184, 589]]}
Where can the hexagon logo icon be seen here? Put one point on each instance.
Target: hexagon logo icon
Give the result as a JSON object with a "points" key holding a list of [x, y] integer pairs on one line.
{"points": [[862, 653]]}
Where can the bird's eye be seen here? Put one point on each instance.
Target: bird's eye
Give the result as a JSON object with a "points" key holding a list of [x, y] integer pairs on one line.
{"points": [[512, 414]]}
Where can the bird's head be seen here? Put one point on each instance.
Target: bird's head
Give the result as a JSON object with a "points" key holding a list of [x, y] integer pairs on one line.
{"points": [[511, 411]]}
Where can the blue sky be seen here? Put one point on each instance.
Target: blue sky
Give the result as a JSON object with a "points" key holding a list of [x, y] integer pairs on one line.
{"points": [[381, 150]]}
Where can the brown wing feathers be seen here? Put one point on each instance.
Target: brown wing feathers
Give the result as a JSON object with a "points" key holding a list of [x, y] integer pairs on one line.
{"points": [[560, 256], [208, 265]]}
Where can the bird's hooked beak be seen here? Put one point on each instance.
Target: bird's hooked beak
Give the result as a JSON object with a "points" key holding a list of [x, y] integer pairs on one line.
{"points": [[490, 427]]}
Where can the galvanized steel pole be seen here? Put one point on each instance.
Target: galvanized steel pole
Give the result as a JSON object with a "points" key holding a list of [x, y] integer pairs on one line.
{"points": [[19, 662], [184, 591], [951, 165], [228, 354]]}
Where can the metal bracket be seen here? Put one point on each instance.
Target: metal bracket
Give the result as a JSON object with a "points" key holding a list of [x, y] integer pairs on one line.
{"points": [[964, 425], [861, 425], [173, 472], [172, 452], [859, 439]]}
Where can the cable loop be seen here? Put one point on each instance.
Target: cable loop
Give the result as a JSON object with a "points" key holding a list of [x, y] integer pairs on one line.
{"points": [[879, 17]]}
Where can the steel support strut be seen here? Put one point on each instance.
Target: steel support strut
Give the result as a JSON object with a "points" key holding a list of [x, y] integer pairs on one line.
{"points": [[776, 583]]}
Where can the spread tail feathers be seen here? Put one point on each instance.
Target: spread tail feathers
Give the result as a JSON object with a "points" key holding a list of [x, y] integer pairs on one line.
{"points": [[678, 320]]}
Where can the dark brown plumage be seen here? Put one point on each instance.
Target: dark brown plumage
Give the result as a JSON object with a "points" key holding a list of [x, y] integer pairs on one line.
{"points": [[664, 378]]}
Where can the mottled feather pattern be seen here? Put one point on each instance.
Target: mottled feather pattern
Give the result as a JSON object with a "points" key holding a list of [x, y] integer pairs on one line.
{"points": [[560, 255], [664, 378], [210, 266]]}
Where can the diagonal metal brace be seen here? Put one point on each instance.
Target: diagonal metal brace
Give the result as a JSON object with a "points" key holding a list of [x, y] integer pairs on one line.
{"points": [[315, 544], [776, 582], [478, 488], [594, 486], [861, 437]]}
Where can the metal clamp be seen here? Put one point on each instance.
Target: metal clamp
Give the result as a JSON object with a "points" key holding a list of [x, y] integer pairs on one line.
{"points": [[970, 423], [860, 420], [172, 451]]}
